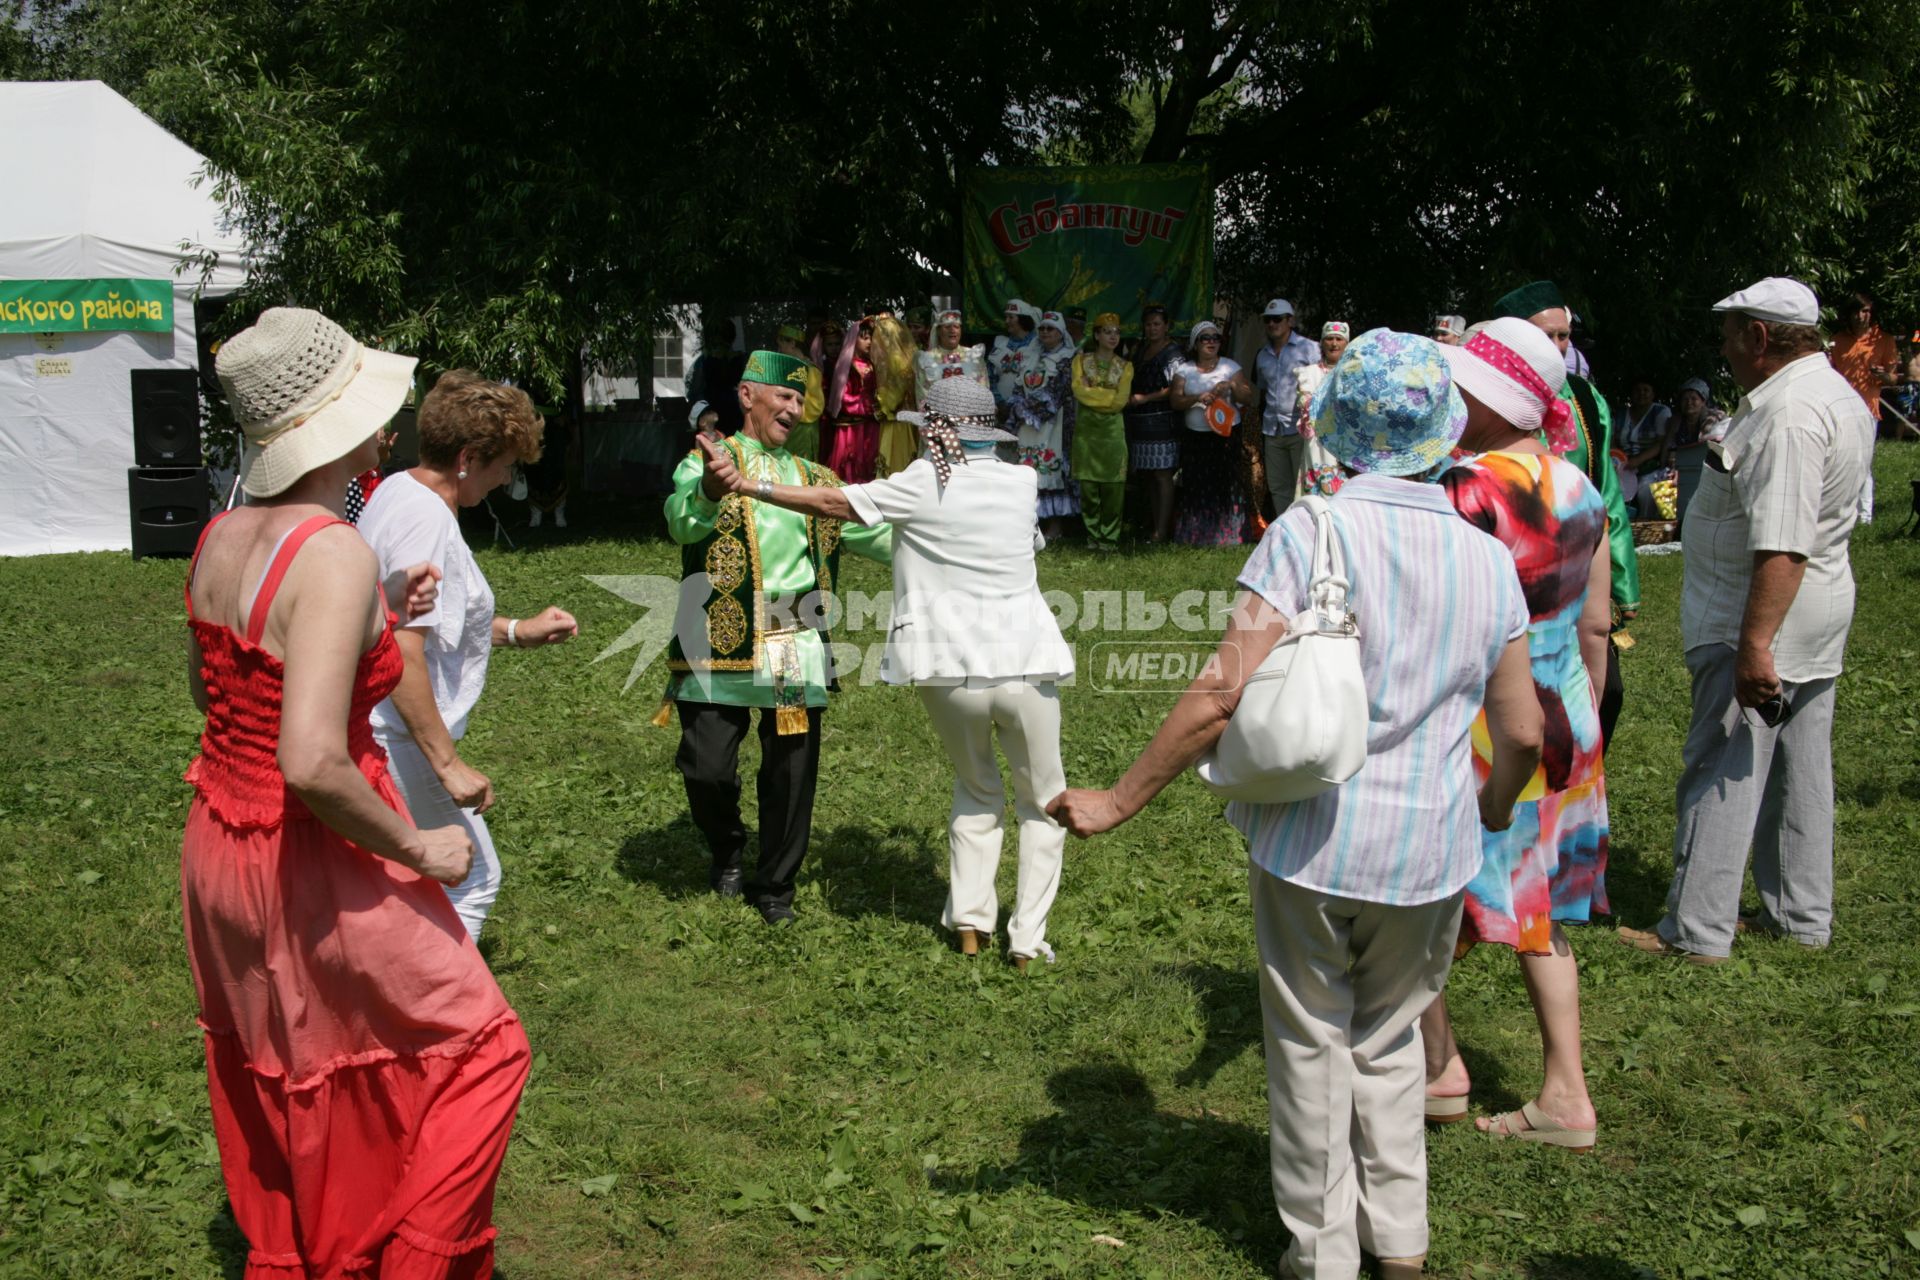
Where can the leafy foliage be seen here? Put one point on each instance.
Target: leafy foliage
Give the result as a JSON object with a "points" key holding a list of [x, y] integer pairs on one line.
{"points": [[506, 184]]}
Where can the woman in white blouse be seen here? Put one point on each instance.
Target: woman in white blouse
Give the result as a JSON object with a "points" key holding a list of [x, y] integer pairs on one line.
{"points": [[472, 434], [973, 634], [1210, 514]]}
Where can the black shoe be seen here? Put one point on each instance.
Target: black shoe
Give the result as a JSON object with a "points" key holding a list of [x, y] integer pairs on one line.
{"points": [[776, 913], [728, 882]]}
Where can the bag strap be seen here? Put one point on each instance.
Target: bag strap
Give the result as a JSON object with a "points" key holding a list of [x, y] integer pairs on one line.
{"points": [[1327, 592]]}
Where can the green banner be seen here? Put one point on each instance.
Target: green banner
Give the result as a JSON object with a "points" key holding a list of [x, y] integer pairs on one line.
{"points": [[1105, 237], [83, 306]]}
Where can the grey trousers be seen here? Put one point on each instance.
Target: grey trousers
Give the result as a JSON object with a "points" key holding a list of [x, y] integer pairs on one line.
{"points": [[1342, 986], [1283, 456], [1746, 787]]}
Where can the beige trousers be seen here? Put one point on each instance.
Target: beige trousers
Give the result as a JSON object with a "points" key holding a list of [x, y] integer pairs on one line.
{"points": [[1342, 985], [1027, 720]]}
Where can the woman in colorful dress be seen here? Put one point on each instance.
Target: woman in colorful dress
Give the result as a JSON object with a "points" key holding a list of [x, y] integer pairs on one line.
{"points": [[362, 1065], [1211, 513], [894, 351], [947, 358], [1549, 868], [1042, 409], [804, 440], [853, 407], [1153, 428], [1102, 385]]}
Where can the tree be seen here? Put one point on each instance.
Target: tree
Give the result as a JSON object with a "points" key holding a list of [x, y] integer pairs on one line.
{"points": [[503, 185]]}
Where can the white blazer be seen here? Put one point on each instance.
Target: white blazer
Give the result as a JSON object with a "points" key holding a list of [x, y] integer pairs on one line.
{"points": [[967, 602]]}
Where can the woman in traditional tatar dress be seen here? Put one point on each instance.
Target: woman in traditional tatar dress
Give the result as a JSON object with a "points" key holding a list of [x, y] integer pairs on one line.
{"points": [[1043, 410], [947, 358], [1102, 385], [1007, 359], [362, 1065], [894, 351], [853, 408]]}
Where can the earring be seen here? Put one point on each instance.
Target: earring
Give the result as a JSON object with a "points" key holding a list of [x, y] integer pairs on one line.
{"points": [[463, 475]]}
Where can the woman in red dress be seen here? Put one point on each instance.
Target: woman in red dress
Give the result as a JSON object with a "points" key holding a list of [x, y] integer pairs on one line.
{"points": [[363, 1066]]}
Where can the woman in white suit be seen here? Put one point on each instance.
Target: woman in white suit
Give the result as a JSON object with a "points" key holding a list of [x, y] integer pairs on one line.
{"points": [[973, 634]]}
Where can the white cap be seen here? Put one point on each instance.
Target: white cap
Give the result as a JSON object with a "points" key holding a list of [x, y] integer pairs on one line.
{"points": [[1020, 306], [1278, 307], [1777, 300]]}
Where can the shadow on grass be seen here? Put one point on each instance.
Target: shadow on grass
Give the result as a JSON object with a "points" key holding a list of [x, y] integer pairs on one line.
{"points": [[1229, 1001], [1584, 1266], [228, 1245], [673, 859], [1637, 882], [861, 870], [879, 871], [1108, 1146]]}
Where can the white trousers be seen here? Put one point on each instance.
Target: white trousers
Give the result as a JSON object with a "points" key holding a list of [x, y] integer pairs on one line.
{"points": [[1342, 986], [431, 806], [1027, 719]]}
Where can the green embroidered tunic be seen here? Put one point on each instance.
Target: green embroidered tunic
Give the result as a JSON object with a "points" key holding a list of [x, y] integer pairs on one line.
{"points": [[754, 547]]}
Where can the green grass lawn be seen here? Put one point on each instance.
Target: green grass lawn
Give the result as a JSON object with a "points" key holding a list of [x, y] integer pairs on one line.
{"points": [[851, 1098]]}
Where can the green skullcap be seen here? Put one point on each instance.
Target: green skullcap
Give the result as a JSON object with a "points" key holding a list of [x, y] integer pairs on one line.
{"points": [[776, 370], [792, 332], [1529, 300]]}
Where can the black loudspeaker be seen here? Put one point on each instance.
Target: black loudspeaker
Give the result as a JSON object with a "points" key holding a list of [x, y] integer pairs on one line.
{"points": [[168, 506], [166, 417]]}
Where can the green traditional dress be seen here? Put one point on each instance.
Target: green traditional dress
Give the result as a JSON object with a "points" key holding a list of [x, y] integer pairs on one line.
{"points": [[753, 552], [1593, 455], [1099, 459]]}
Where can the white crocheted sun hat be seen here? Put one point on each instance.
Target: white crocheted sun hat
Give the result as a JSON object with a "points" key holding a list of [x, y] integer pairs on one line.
{"points": [[305, 394]]}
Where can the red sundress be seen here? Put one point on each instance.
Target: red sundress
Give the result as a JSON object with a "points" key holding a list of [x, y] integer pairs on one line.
{"points": [[363, 1066]]}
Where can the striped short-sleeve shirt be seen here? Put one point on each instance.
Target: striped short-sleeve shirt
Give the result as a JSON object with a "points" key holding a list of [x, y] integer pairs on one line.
{"points": [[1437, 602]]}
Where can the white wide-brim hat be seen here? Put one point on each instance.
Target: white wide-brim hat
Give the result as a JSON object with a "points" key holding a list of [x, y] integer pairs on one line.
{"points": [[304, 394], [1509, 341]]}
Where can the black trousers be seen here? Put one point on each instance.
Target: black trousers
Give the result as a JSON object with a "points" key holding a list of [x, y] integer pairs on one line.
{"points": [[709, 755], [1611, 698]]}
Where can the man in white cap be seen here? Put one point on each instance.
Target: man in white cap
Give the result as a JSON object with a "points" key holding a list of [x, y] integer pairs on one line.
{"points": [[1764, 613], [1277, 372], [1448, 330]]}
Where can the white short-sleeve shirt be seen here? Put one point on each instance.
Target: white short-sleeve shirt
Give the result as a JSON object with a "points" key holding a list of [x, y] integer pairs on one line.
{"points": [[405, 523], [1795, 458]]}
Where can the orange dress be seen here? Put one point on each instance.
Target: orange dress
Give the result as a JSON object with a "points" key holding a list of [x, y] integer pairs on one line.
{"points": [[363, 1066]]}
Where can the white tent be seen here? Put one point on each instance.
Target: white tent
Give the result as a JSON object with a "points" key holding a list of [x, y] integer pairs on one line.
{"points": [[95, 190]]}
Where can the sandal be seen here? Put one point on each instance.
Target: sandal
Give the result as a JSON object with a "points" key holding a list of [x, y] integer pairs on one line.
{"points": [[1446, 1110], [1541, 1128]]}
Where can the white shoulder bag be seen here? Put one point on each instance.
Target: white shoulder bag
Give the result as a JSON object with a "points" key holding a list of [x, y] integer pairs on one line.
{"points": [[1301, 726]]}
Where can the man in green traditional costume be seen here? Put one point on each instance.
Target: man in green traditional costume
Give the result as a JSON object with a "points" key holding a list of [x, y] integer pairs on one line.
{"points": [[754, 584], [1541, 305]]}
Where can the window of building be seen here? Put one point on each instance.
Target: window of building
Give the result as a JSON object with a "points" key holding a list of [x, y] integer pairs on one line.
{"points": [[669, 358]]}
